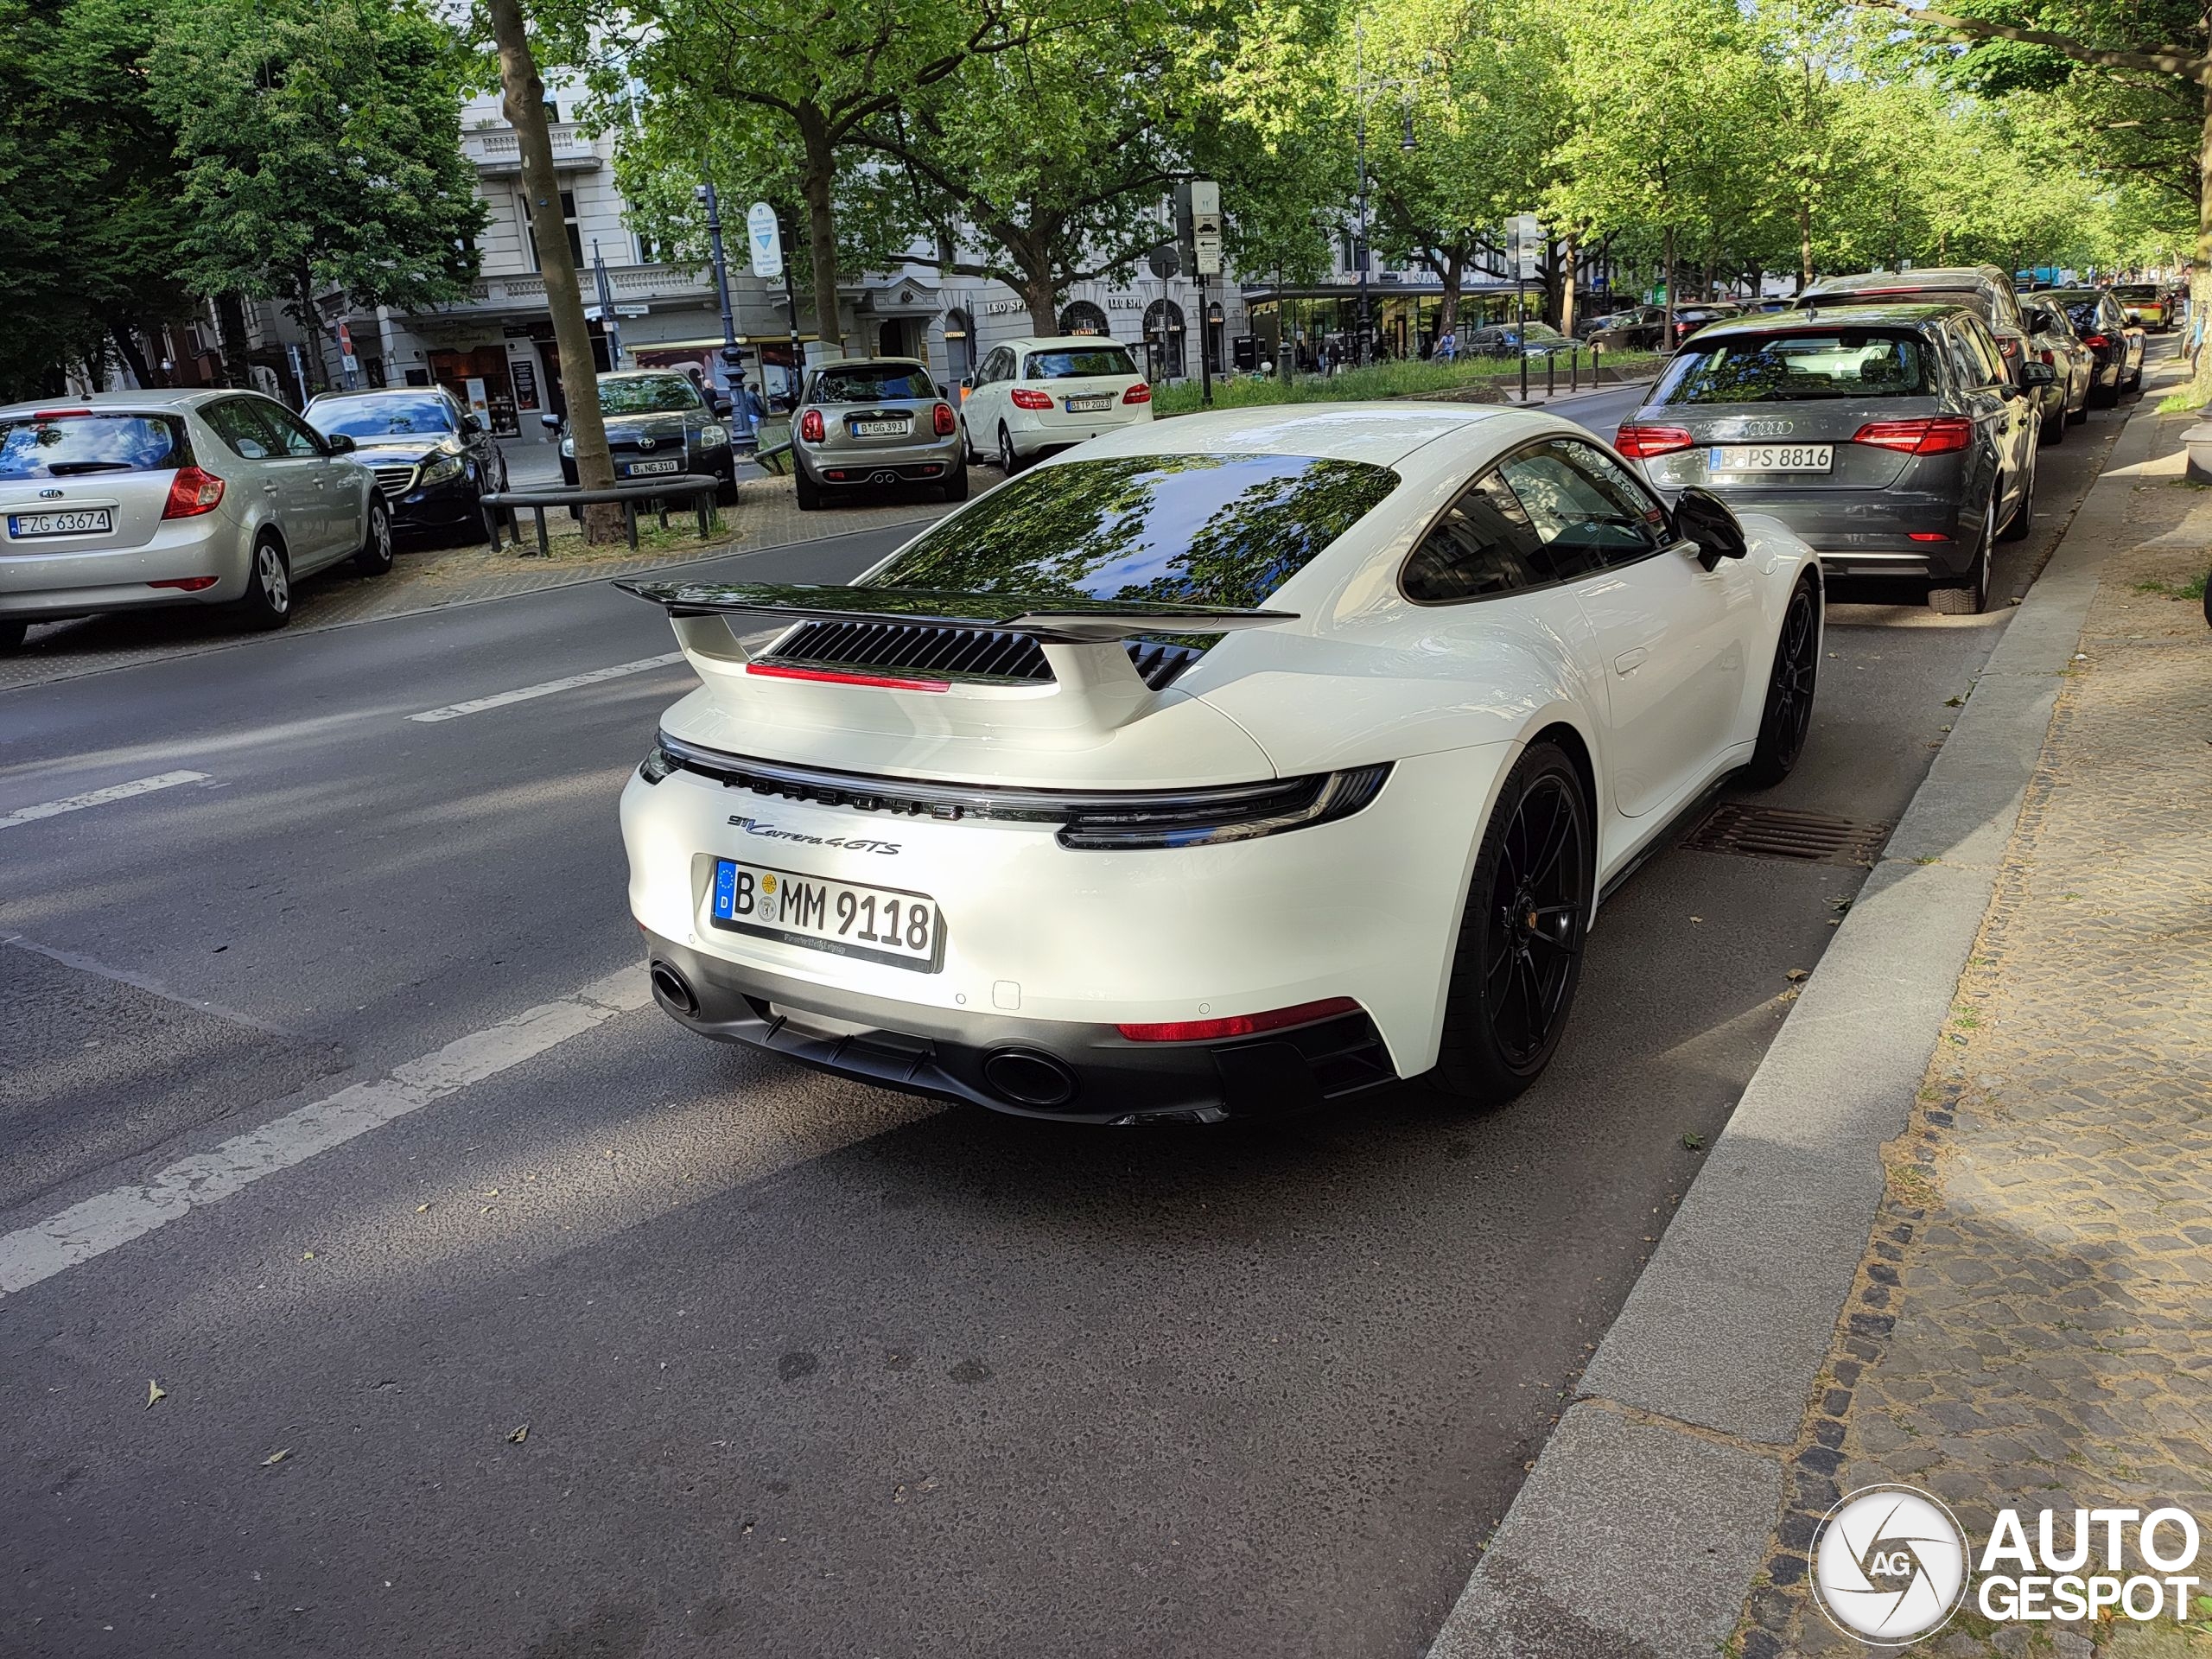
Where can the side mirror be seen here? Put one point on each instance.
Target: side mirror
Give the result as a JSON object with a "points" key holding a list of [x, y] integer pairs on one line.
{"points": [[1704, 520], [967, 382], [339, 444], [550, 421], [472, 424], [2037, 374]]}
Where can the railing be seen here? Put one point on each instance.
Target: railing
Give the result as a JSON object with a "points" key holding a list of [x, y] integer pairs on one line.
{"points": [[497, 150], [658, 492], [630, 281]]}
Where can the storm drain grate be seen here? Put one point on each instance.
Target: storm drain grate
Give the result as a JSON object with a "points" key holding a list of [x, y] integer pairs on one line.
{"points": [[1771, 832]]}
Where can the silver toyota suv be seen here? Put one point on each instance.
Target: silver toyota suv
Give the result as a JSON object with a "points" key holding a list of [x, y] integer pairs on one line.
{"points": [[876, 424]]}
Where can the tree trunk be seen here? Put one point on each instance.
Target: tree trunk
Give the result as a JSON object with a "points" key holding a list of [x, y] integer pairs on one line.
{"points": [[1038, 292], [230, 328], [1804, 245], [818, 177], [2200, 278], [1569, 261], [523, 99], [1667, 277], [304, 313], [1454, 276]]}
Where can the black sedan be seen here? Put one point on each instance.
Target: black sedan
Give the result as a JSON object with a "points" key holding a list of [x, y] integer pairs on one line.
{"points": [[2105, 329], [660, 423], [433, 460]]}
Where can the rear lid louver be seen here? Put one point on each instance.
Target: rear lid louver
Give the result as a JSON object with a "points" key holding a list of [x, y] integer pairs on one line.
{"points": [[1004, 656]]}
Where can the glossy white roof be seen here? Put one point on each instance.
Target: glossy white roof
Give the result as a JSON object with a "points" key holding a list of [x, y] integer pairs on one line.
{"points": [[1381, 434]]}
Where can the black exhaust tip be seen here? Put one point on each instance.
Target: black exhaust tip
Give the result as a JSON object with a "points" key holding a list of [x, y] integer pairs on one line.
{"points": [[674, 991], [1029, 1078]]}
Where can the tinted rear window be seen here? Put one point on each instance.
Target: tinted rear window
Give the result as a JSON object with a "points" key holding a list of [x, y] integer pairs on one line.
{"points": [[2136, 291], [66, 446], [868, 382], [2084, 313], [1194, 530], [1072, 365], [1798, 366]]}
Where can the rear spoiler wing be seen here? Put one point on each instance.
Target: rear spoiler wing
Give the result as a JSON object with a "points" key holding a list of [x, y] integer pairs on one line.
{"points": [[1085, 641], [1094, 621]]}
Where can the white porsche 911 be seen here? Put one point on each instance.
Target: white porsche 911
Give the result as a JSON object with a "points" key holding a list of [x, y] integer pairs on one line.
{"points": [[1218, 767]]}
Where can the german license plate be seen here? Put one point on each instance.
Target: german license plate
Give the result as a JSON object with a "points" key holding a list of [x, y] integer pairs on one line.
{"points": [[641, 468], [1089, 405], [84, 521], [880, 428], [846, 919], [1770, 458]]}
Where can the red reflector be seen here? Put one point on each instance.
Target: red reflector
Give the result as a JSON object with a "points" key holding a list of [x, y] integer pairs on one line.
{"points": [[1641, 442], [1941, 436], [811, 427], [57, 414], [831, 472], [1025, 399], [942, 420], [1240, 1025], [1140, 393], [1929, 536], [189, 584], [777, 672], [191, 493]]}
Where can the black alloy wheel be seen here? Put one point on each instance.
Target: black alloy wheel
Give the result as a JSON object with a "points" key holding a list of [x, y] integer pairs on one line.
{"points": [[1787, 716], [1970, 596], [1519, 954], [2023, 516]]}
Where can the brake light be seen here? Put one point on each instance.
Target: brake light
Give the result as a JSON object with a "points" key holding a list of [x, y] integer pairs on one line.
{"points": [[1941, 436], [1643, 442], [827, 677], [1025, 399], [2048, 356], [942, 421], [811, 427], [1140, 393], [191, 493], [2096, 341], [1928, 536], [1239, 1025], [57, 414], [189, 584]]}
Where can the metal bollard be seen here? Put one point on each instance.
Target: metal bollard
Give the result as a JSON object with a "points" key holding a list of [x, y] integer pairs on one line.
{"points": [[1551, 374]]}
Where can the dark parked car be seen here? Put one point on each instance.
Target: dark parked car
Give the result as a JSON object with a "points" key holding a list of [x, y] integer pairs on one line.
{"points": [[2051, 339], [1639, 329], [1891, 438], [433, 460], [660, 422], [1530, 340], [1985, 290], [1695, 315], [2104, 328]]}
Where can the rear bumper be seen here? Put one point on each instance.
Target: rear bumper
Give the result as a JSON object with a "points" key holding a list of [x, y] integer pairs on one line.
{"points": [[905, 463], [53, 584], [1037, 429], [1870, 532], [1030, 1068]]}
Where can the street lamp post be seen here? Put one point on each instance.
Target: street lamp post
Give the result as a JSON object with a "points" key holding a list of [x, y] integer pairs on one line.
{"points": [[730, 359]]}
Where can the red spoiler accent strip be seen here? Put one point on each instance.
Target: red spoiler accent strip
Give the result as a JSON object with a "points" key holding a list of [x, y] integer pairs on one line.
{"points": [[778, 672]]}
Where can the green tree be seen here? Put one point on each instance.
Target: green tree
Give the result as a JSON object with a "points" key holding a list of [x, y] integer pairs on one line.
{"points": [[318, 144]]}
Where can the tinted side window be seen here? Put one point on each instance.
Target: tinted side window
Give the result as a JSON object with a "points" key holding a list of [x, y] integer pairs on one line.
{"points": [[1584, 520], [1484, 544], [1985, 347], [294, 435], [238, 423], [1965, 362]]}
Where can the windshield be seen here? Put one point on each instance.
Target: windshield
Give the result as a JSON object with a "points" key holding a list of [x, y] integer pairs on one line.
{"points": [[57, 445], [1193, 529], [380, 417], [869, 382], [1075, 363], [1798, 367], [648, 394]]}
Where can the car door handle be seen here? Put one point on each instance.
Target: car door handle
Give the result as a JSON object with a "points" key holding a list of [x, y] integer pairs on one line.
{"points": [[1629, 661], [269, 489]]}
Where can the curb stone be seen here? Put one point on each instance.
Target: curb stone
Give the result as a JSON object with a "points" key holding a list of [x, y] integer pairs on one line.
{"points": [[1647, 1516]]}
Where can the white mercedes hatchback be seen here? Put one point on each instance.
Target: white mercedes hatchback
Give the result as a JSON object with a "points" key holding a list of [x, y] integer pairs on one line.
{"points": [[128, 500], [1029, 397], [1217, 768]]}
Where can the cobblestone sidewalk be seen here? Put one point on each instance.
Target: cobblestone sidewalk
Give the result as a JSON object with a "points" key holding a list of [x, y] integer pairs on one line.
{"points": [[2030, 1327], [767, 515]]}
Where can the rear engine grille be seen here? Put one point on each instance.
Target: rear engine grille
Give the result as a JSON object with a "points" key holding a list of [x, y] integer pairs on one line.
{"points": [[954, 653], [1771, 832], [395, 478]]}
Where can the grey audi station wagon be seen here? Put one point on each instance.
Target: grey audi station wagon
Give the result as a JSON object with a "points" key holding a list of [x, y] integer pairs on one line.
{"points": [[1891, 438]]}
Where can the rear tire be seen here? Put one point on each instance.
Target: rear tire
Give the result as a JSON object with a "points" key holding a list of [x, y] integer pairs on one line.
{"points": [[1009, 458], [2022, 520], [1787, 716], [1972, 597], [803, 486], [374, 557], [11, 636], [2052, 429], [268, 601], [955, 488], [1518, 955]]}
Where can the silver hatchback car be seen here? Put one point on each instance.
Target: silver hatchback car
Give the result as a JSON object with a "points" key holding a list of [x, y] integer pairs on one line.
{"points": [[876, 423], [123, 500]]}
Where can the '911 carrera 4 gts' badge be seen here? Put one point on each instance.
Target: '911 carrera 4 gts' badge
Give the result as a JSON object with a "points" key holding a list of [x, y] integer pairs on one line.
{"points": [[851, 844]]}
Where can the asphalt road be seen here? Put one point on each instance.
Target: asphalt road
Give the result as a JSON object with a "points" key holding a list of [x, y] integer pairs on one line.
{"points": [[597, 1340]]}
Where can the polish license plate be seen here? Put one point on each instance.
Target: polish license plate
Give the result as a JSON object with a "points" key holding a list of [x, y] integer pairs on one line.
{"points": [[643, 468], [1770, 458], [84, 521], [881, 428], [846, 919], [1089, 405]]}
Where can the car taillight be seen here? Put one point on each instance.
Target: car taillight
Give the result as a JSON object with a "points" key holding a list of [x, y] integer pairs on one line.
{"points": [[810, 426], [1642, 442], [1216, 816], [191, 493], [189, 584], [2097, 342], [2047, 355], [1240, 1025], [1025, 399], [58, 414], [1140, 393], [942, 421], [1941, 436]]}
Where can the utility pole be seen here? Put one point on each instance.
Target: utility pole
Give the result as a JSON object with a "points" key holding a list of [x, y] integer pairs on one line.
{"points": [[733, 359], [522, 99]]}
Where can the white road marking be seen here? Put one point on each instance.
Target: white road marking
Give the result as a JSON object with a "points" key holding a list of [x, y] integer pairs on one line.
{"points": [[123, 1213], [478, 705], [99, 798]]}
